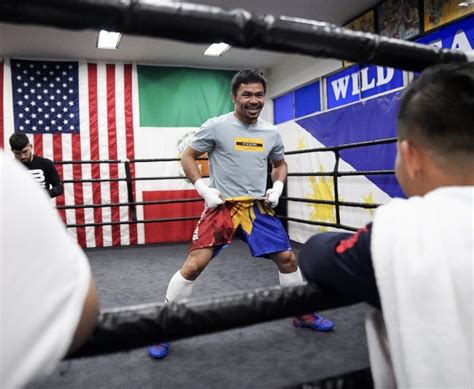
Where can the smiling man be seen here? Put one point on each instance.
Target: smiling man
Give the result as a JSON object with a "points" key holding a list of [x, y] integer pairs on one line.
{"points": [[41, 169], [238, 144]]}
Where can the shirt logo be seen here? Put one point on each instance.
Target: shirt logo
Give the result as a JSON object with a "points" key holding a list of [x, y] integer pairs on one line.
{"points": [[249, 144], [38, 176]]}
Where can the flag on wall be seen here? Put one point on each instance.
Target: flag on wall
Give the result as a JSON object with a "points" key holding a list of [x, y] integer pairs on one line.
{"points": [[80, 111], [46, 97], [368, 120], [173, 103]]}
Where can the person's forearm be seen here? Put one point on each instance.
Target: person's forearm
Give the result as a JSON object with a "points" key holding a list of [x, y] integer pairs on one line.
{"points": [[191, 168], [279, 172], [56, 190]]}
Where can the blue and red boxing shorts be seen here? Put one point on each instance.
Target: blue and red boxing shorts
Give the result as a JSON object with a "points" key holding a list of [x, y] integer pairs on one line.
{"points": [[256, 224]]}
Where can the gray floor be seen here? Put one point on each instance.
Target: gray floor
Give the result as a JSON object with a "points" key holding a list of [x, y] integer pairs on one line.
{"points": [[268, 355]]}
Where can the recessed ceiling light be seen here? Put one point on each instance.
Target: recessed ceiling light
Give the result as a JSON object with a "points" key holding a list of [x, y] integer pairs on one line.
{"points": [[108, 40], [217, 49]]}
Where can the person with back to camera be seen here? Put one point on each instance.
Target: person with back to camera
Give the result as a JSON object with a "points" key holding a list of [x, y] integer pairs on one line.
{"points": [[238, 142], [415, 261], [48, 302], [41, 169]]}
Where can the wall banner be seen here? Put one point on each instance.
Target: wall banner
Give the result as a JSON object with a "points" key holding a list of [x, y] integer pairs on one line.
{"points": [[457, 35], [360, 81]]}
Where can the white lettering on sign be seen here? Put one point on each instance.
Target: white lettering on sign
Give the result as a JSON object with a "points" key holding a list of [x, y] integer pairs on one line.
{"points": [[382, 77], [460, 42], [366, 84], [355, 84], [341, 85]]}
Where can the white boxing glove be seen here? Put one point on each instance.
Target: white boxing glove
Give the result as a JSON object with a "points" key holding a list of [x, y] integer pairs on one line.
{"points": [[211, 196], [273, 194]]}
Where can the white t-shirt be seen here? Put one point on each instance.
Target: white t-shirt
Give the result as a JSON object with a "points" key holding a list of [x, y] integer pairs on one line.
{"points": [[44, 280], [422, 251]]}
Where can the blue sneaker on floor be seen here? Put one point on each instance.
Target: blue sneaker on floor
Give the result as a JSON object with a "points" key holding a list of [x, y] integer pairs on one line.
{"points": [[314, 321], [159, 350]]}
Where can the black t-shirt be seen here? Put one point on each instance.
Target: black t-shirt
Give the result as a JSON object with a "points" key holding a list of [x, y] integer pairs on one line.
{"points": [[43, 171], [342, 263]]}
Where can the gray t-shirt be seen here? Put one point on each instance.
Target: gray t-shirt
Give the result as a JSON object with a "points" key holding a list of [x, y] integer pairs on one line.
{"points": [[238, 154]]}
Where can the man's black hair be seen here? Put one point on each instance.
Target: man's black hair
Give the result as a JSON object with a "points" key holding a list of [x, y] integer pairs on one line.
{"points": [[248, 76], [18, 141], [438, 109]]}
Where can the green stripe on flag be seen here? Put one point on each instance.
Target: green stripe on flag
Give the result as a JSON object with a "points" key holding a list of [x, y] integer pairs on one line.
{"points": [[182, 97]]}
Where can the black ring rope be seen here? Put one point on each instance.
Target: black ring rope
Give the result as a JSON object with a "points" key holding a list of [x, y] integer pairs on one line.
{"points": [[330, 202], [200, 199], [344, 146], [342, 174], [318, 223], [98, 180], [84, 162], [194, 23], [132, 204], [336, 185], [307, 174], [94, 180], [317, 149], [147, 221], [126, 328], [155, 202], [112, 161]]}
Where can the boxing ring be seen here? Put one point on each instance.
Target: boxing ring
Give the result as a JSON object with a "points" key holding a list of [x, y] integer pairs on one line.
{"points": [[132, 327], [132, 204]]}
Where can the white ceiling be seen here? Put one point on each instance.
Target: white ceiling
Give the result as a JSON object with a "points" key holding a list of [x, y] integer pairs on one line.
{"points": [[21, 41]]}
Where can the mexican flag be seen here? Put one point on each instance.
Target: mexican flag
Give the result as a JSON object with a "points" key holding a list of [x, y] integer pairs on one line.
{"points": [[173, 102]]}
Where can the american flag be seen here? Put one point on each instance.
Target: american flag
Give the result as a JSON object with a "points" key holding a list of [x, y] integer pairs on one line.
{"points": [[46, 97], [80, 111]]}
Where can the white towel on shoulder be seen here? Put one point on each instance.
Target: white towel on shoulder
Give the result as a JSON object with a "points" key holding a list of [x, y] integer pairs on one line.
{"points": [[422, 251]]}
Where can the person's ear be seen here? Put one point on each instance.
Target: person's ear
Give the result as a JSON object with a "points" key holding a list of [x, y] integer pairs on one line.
{"points": [[413, 158]]}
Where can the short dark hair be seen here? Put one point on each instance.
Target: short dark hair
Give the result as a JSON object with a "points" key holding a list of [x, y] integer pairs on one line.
{"points": [[18, 141], [248, 76], [438, 109]]}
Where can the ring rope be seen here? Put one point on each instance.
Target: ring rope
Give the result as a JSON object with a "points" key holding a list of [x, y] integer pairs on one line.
{"points": [[131, 327], [196, 23]]}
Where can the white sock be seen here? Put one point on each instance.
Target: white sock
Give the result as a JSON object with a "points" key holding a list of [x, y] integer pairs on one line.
{"points": [[291, 279], [179, 288]]}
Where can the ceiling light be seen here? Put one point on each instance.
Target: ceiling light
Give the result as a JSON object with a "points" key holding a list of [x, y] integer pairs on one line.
{"points": [[217, 49], [466, 3], [108, 39]]}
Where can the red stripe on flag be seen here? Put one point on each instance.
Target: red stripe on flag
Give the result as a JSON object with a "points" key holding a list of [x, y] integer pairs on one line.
{"points": [[78, 188], [1, 106], [38, 145], [58, 156], [128, 100], [177, 231], [94, 145], [112, 136]]}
